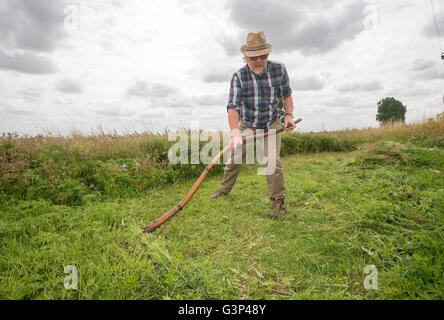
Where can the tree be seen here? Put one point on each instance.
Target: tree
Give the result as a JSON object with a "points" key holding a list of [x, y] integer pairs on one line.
{"points": [[390, 110]]}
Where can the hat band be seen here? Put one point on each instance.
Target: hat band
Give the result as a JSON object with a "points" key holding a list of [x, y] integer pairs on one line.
{"points": [[256, 48]]}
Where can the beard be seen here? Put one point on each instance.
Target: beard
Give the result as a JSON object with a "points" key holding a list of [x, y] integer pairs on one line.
{"points": [[258, 70]]}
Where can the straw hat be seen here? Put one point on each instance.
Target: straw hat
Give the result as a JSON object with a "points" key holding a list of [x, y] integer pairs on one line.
{"points": [[256, 45]]}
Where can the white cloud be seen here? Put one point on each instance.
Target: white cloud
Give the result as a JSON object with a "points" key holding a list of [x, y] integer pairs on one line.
{"points": [[130, 67], [366, 85], [211, 100], [141, 88]]}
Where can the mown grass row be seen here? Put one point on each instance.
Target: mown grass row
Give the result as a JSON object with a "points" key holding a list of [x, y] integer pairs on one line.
{"points": [[73, 170]]}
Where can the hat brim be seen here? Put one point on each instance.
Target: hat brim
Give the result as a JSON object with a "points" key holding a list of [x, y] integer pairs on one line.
{"points": [[256, 53]]}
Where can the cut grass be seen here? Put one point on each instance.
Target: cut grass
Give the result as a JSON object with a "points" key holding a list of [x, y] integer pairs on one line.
{"points": [[346, 211]]}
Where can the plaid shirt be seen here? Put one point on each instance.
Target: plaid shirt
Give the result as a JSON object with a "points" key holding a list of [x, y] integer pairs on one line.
{"points": [[256, 98]]}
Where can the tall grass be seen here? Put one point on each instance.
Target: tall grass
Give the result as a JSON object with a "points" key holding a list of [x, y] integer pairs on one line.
{"points": [[428, 133], [77, 168]]}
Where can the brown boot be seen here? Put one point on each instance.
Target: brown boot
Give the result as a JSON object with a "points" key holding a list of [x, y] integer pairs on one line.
{"points": [[278, 208], [218, 193]]}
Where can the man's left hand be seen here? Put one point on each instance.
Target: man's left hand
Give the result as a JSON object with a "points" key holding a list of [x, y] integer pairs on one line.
{"points": [[289, 124]]}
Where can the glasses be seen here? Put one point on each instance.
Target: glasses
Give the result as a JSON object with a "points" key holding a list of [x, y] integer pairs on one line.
{"points": [[264, 57]]}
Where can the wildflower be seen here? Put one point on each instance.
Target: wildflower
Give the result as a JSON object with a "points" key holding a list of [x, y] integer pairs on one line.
{"points": [[10, 165], [137, 164], [60, 141], [123, 166]]}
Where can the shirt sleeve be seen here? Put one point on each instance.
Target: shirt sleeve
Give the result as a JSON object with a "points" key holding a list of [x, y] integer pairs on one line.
{"points": [[234, 99], [285, 84]]}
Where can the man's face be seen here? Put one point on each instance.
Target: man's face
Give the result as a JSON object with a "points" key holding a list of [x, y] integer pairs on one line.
{"points": [[257, 64]]}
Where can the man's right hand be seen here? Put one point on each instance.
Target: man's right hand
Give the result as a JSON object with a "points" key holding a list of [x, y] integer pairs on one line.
{"points": [[236, 139]]}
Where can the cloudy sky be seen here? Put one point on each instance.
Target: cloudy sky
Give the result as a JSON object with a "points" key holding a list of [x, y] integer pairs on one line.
{"points": [[139, 65]]}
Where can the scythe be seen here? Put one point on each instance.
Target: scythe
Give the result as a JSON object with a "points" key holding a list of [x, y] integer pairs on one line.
{"points": [[199, 181]]}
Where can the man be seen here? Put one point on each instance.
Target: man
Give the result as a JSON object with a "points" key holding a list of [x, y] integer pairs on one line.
{"points": [[254, 103]]}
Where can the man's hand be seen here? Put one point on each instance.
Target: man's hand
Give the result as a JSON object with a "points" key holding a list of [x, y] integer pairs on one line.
{"points": [[236, 139], [289, 124]]}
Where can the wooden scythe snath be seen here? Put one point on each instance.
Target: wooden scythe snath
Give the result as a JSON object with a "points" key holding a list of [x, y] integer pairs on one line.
{"points": [[153, 226]]}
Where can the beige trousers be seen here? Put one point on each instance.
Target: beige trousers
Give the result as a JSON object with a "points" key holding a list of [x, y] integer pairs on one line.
{"points": [[275, 181]]}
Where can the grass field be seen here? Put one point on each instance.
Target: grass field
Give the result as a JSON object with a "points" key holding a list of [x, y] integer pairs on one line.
{"points": [[381, 204]]}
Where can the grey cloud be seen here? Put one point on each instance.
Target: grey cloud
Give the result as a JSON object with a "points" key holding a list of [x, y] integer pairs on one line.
{"points": [[160, 90], [338, 101], [109, 109], [256, 15], [432, 74], [141, 88], [181, 104], [427, 70], [69, 86], [232, 45], [360, 86], [15, 111], [422, 64], [152, 114], [217, 76], [418, 90], [27, 63], [117, 3], [211, 100], [430, 29], [62, 101], [308, 26], [110, 112], [361, 107], [31, 25], [30, 93], [307, 83]]}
